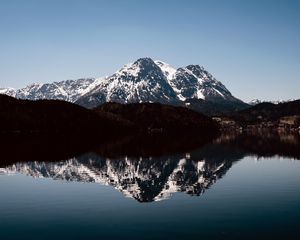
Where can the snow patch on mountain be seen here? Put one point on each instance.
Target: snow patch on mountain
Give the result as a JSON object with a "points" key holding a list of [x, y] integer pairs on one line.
{"points": [[8, 91], [167, 69]]}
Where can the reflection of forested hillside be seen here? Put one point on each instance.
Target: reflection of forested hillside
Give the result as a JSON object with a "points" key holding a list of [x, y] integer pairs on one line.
{"points": [[264, 144]]}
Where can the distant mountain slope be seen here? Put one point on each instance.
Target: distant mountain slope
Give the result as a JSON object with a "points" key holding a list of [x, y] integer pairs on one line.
{"points": [[69, 90], [258, 101], [8, 91]]}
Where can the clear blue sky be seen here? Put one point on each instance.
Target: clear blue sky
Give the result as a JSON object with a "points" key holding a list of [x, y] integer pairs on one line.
{"points": [[253, 47]]}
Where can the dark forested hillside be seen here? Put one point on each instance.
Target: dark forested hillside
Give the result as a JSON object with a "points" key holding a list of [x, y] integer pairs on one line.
{"points": [[59, 117], [215, 108], [267, 112], [51, 117], [158, 117]]}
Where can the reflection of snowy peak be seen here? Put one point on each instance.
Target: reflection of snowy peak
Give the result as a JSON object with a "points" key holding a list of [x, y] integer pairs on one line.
{"points": [[144, 80], [145, 179], [192, 177]]}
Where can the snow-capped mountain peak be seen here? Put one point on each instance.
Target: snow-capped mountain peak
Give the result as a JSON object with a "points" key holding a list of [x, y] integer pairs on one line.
{"points": [[8, 91], [138, 68], [258, 101], [69, 90], [144, 80], [141, 81]]}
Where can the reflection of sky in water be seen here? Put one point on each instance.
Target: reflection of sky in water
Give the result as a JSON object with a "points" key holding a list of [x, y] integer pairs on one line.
{"points": [[262, 195]]}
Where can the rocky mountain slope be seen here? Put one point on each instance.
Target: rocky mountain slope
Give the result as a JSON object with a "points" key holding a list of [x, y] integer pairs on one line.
{"points": [[69, 90], [258, 101]]}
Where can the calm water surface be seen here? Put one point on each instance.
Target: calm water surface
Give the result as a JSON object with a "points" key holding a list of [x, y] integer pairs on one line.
{"points": [[217, 191]]}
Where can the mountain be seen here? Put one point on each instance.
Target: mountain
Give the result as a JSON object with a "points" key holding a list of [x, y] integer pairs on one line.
{"points": [[69, 90], [8, 91], [142, 81], [146, 80], [194, 81]]}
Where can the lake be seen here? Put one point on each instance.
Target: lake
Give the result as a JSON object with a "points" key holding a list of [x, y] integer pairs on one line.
{"points": [[232, 187]]}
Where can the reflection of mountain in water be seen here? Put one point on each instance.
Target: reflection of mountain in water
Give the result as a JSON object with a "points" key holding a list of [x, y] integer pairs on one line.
{"points": [[145, 179], [148, 170]]}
